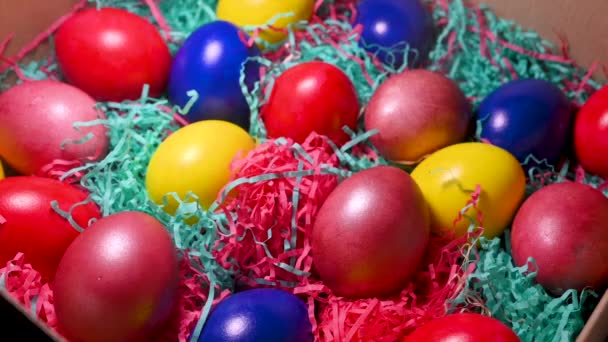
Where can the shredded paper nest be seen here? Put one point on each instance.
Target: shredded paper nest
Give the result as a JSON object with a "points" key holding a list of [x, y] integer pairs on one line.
{"points": [[261, 236]]}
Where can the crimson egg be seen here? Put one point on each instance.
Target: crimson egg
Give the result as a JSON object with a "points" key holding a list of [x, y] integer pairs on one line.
{"points": [[110, 53], [118, 280], [311, 97], [463, 327], [371, 233], [564, 227], [591, 133], [37, 126], [31, 224]]}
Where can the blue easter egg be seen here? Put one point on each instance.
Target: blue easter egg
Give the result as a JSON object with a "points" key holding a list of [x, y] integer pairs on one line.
{"points": [[393, 24], [527, 117], [259, 315], [210, 62]]}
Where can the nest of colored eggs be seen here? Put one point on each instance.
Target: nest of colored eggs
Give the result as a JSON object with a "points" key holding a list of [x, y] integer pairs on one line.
{"points": [[297, 171]]}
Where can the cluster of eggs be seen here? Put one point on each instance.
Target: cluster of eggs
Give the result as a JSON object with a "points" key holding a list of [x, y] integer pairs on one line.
{"points": [[118, 279]]}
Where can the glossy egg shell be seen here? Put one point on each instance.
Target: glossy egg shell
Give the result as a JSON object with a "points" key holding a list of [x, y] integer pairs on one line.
{"points": [[463, 327], [261, 12], [370, 235], [311, 97], [416, 113], [33, 227], [117, 281], [392, 24], [525, 117], [210, 62], [258, 315], [196, 158], [591, 134], [111, 53], [37, 117], [449, 177], [563, 227]]}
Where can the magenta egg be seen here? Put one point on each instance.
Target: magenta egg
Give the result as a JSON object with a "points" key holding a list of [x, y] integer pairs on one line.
{"points": [[371, 233], [36, 118], [416, 113], [564, 227], [117, 281]]}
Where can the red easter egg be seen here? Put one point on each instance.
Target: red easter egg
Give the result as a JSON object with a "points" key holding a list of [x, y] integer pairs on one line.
{"points": [[463, 327], [416, 113], [37, 117], [311, 97], [371, 233], [591, 134], [564, 227], [33, 227], [111, 53], [118, 280]]}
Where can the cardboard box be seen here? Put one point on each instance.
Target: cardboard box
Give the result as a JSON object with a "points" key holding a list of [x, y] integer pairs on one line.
{"points": [[582, 24]]}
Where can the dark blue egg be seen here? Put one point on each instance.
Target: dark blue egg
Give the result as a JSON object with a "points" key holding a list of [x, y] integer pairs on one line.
{"points": [[260, 315], [395, 23], [210, 62], [527, 117]]}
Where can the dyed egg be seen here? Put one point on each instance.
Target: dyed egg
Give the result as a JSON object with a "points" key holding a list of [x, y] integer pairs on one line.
{"points": [[111, 54], [449, 177], [117, 281], [1, 171], [395, 24], [370, 235], [196, 158], [416, 113], [258, 315], [463, 327], [563, 227], [37, 117], [31, 224], [591, 134], [300, 103], [527, 117], [210, 62], [261, 12]]}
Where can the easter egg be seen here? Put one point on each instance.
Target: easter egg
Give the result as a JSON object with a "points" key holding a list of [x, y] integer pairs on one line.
{"points": [[1, 171], [393, 25], [38, 117], [527, 117], [196, 158], [31, 225], [311, 97], [591, 134], [463, 327], [258, 13], [111, 54], [416, 113], [210, 62], [563, 227], [258, 315], [117, 281], [370, 235], [449, 177]]}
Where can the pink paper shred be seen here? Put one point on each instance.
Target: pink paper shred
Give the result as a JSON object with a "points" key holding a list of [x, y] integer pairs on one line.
{"points": [[266, 206]]}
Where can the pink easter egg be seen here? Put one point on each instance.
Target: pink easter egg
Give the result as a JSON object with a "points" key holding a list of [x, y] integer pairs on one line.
{"points": [[36, 118]]}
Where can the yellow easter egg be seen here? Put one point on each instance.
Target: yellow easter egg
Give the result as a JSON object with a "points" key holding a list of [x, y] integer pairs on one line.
{"points": [[449, 177], [1, 171], [261, 12], [196, 158]]}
